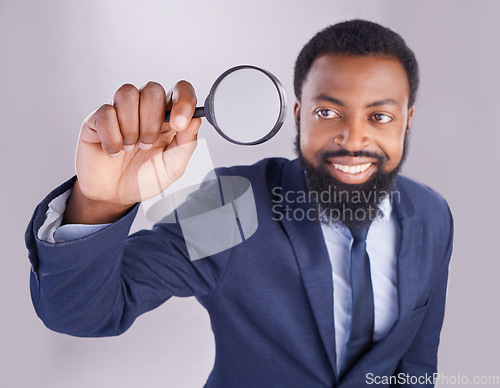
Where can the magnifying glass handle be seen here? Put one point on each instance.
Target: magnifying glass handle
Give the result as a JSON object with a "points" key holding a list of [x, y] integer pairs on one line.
{"points": [[198, 112]]}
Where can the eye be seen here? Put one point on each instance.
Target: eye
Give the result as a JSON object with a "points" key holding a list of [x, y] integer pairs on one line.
{"points": [[326, 113], [382, 118]]}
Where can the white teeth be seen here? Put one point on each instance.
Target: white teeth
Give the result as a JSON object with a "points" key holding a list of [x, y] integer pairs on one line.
{"points": [[353, 169]]}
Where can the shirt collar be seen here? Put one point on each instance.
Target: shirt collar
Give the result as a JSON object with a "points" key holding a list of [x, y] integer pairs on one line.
{"points": [[383, 218]]}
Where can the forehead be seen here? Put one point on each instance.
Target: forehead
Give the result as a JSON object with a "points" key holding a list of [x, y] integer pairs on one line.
{"points": [[358, 77]]}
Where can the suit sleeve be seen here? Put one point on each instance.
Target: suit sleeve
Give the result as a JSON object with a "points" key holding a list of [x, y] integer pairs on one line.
{"points": [[97, 285], [420, 361]]}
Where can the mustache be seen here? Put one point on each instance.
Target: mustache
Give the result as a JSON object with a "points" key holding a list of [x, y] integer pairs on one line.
{"points": [[323, 156]]}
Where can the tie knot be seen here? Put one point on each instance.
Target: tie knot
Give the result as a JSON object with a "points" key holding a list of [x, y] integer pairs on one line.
{"points": [[359, 233]]}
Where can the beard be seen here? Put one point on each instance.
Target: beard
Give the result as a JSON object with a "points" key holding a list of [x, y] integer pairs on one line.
{"points": [[355, 205]]}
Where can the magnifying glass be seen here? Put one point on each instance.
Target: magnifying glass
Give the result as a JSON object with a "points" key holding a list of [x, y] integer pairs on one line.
{"points": [[246, 105]]}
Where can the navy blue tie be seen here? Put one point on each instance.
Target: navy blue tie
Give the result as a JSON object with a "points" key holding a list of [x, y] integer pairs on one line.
{"points": [[361, 336]]}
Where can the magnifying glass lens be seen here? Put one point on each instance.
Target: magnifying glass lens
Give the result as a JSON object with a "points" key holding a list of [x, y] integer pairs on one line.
{"points": [[246, 105]]}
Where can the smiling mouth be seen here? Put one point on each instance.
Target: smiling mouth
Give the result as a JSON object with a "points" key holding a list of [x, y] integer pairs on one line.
{"points": [[352, 169], [350, 172]]}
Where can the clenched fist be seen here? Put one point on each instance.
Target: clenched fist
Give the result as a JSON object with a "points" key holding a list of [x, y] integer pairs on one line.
{"points": [[126, 152]]}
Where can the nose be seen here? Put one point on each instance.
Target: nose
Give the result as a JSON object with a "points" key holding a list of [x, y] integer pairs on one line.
{"points": [[353, 136]]}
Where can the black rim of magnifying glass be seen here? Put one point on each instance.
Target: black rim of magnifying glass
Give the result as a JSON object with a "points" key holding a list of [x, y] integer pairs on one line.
{"points": [[209, 105]]}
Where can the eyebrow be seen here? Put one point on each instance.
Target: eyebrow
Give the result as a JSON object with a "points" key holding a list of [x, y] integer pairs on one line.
{"points": [[333, 100], [387, 101], [324, 97]]}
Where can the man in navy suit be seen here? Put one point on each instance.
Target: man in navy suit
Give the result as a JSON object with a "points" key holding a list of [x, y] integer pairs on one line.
{"points": [[282, 303]]}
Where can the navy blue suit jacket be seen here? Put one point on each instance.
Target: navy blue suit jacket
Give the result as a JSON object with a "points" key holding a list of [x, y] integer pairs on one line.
{"points": [[270, 298]]}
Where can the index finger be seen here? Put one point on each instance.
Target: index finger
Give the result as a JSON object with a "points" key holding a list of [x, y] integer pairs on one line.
{"points": [[181, 100]]}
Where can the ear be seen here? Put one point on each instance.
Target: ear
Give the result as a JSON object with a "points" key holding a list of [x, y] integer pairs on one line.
{"points": [[410, 118], [296, 111]]}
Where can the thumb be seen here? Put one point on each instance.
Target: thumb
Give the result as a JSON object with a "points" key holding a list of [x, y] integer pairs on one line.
{"points": [[190, 133], [177, 154]]}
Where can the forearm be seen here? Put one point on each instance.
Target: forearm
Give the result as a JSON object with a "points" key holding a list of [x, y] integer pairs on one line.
{"points": [[96, 285], [77, 286]]}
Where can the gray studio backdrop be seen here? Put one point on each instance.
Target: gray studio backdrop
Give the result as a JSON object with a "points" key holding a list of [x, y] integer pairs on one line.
{"points": [[62, 59]]}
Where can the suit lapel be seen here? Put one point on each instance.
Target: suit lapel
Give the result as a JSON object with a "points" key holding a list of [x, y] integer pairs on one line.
{"points": [[310, 250], [409, 251]]}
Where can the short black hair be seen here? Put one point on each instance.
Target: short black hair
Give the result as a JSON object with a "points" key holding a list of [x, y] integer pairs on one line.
{"points": [[357, 37]]}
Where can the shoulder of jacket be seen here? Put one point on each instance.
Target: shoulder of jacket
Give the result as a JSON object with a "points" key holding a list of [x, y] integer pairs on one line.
{"points": [[427, 201], [269, 169]]}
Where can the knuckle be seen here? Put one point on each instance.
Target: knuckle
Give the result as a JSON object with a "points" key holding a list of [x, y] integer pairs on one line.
{"points": [[126, 93], [106, 112], [154, 90], [184, 91], [185, 84]]}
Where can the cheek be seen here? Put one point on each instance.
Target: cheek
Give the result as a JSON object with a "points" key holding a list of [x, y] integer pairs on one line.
{"points": [[311, 142], [393, 148], [307, 145]]}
